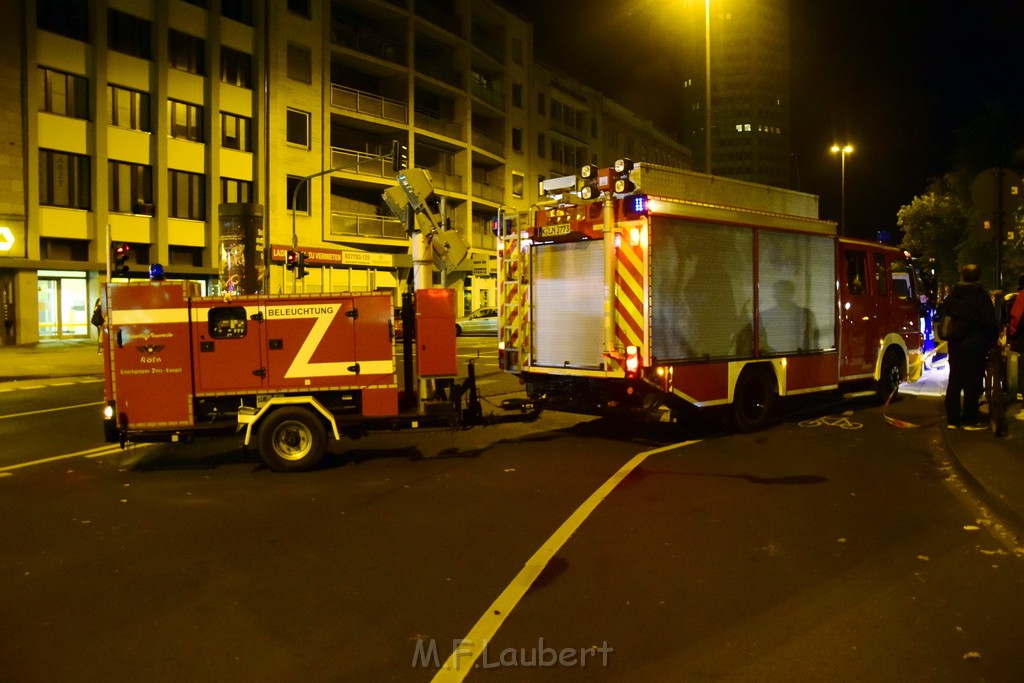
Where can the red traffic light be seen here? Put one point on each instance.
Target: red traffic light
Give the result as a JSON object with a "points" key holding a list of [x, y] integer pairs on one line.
{"points": [[121, 253], [291, 259]]}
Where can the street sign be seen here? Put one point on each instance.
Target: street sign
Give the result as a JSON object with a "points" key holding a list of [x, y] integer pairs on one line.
{"points": [[6, 239]]}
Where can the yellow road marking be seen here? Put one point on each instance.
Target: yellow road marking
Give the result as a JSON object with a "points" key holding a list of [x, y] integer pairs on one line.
{"points": [[461, 661]]}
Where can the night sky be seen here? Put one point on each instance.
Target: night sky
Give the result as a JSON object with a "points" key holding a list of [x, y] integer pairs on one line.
{"points": [[904, 81]]}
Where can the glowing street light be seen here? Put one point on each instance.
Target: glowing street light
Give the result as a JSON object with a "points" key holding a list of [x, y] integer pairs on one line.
{"points": [[842, 152]]}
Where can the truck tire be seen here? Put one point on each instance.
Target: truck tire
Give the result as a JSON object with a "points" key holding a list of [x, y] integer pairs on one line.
{"points": [[890, 376], [292, 439], [753, 402]]}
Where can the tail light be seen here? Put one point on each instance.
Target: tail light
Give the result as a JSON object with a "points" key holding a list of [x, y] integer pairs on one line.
{"points": [[632, 362]]}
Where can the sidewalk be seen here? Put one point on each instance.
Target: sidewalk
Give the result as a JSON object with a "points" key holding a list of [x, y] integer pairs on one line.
{"points": [[72, 358], [992, 467]]}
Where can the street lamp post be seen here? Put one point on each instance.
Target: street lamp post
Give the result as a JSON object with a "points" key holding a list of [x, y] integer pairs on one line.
{"points": [[707, 86], [842, 152]]}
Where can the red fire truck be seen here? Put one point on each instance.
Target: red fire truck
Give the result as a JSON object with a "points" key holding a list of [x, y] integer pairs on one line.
{"points": [[648, 288], [286, 370]]}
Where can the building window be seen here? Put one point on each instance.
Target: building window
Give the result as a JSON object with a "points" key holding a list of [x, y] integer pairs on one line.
{"points": [[302, 199], [298, 127], [541, 145], [239, 10], [186, 120], [64, 94], [129, 34], [232, 190], [517, 140], [186, 52], [68, 18], [188, 195], [518, 184], [64, 179], [235, 67], [236, 132], [542, 108], [517, 95], [300, 7], [131, 188], [128, 108], [300, 64]]}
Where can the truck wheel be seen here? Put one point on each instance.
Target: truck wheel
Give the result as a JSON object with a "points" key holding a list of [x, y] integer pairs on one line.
{"points": [[890, 377], [292, 440], [753, 402]]}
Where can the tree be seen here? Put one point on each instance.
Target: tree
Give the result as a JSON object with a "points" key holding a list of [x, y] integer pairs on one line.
{"points": [[935, 225]]}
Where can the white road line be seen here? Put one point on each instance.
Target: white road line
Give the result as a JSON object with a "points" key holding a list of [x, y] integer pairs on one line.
{"points": [[50, 410], [90, 453], [460, 663]]}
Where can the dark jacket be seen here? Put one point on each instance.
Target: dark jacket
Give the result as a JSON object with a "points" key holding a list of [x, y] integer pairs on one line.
{"points": [[971, 303]]}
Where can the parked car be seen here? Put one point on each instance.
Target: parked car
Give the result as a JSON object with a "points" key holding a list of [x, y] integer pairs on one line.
{"points": [[482, 321]]}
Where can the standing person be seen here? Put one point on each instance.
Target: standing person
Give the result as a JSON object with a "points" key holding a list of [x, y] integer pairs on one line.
{"points": [[971, 335], [97, 320], [1015, 337]]}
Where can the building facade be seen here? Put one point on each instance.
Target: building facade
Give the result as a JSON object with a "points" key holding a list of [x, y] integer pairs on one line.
{"points": [[750, 90], [135, 123]]}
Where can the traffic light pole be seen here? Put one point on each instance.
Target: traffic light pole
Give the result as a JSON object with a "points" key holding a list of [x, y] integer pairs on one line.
{"points": [[295, 195]]}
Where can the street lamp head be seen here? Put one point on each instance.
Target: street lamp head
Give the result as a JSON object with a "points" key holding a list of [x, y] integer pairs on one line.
{"points": [[845, 149]]}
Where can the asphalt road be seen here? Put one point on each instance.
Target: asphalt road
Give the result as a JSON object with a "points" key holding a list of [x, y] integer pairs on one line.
{"points": [[831, 546]]}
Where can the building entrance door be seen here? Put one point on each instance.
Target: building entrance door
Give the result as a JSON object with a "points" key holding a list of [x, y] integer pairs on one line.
{"points": [[64, 309]]}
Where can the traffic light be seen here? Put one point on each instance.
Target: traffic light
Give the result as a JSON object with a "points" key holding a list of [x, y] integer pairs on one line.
{"points": [[121, 254], [300, 265], [399, 156], [291, 259]]}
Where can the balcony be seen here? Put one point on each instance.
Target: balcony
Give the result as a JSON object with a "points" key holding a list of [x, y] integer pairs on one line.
{"points": [[488, 144], [362, 163], [489, 193], [445, 181], [368, 43], [446, 20], [495, 98], [360, 225], [488, 44], [369, 104], [440, 70], [436, 124]]}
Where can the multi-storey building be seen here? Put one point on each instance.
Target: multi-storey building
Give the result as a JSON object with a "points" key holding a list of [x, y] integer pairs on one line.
{"points": [[136, 122], [750, 90]]}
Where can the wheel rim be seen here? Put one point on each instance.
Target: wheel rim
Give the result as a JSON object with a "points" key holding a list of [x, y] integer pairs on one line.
{"points": [[292, 440]]}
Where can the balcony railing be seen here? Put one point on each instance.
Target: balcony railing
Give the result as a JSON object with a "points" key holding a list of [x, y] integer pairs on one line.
{"points": [[369, 104], [484, 240], [486, 142], [367, 42], [439, 69], [344, 224], [495, 98], [363, 163], [489, 46], [445, 181], [435, 124], [491, 193], [449, 21]]}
